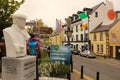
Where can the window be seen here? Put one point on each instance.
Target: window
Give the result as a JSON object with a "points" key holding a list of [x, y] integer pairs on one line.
{"points": [[96, 14], [76, 37], [101, 48], [95, 38], [97, 48], [76, 28], [101, 36], [81, 27], [86, 36], [81, 37]]}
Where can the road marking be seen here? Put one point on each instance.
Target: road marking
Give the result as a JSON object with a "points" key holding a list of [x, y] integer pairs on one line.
{"points": [[85, 76]]}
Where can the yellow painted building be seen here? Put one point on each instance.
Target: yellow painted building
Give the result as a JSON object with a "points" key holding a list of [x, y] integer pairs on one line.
{"points": [[99, 42], [105, 39], [114, 40], [56, 39]]}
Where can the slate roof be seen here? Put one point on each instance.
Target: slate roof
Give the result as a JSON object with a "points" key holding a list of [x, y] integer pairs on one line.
{"points": [[91, 10], [101, 27], [97, 6]]}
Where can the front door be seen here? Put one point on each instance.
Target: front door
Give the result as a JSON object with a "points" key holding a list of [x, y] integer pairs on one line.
{"points": [[111, 51], [117, 52]]}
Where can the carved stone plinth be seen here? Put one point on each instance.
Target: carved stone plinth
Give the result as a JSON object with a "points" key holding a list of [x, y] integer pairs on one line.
{"points": [[23, 68]]}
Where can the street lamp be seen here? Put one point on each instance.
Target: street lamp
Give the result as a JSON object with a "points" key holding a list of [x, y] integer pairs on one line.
{"points": [[69, 32]]}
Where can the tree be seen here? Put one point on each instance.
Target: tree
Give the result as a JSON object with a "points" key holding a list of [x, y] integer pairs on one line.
{"points": [[7, 7]]}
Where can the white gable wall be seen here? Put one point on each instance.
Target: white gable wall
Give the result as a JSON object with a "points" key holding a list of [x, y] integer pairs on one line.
{"points": [[95, 21]]}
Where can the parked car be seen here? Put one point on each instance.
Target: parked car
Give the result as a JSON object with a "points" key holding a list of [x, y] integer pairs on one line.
{"points": [[75, 51], [71, 45], [88, 54]]}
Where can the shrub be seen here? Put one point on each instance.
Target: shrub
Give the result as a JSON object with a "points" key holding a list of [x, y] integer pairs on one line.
{"points": [[53, 70]]}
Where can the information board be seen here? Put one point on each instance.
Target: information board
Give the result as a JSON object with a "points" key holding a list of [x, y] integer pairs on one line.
{"points": [[60, 54]]}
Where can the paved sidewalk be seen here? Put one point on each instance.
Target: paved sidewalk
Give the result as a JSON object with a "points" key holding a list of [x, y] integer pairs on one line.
{"points": [[111, 61], [75, 75]]}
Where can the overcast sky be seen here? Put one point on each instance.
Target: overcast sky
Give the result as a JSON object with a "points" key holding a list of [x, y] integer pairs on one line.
{"points": [[49, 10]]}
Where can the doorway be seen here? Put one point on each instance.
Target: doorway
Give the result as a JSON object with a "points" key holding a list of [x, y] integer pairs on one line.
{"points": [[117, 52], [111, 52]]}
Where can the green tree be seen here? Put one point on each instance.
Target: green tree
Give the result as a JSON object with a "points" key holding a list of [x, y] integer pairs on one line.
{"points": [[7, 7]]}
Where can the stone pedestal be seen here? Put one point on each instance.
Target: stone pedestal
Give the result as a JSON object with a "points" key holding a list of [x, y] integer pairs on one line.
{"points": [[23, 68]]}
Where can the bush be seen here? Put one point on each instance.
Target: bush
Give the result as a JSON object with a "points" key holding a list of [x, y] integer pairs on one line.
{"points": [[53, 70], [44, 58], [43, 53], [59, 70], [44, 69]]}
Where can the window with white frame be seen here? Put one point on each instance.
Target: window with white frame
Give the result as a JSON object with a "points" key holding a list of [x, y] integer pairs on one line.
{"points": [[95, 37], [97, 47], [101, 48], [76, 37], [76, 28], [81, 37], [101, 36], [96, 14]]}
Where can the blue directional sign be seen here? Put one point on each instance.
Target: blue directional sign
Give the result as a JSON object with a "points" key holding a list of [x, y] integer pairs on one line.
{"points": [[60, 54]]}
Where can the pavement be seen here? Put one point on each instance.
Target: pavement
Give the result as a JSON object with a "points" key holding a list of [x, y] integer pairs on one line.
{"points": [[110, 61], [75, 75]]}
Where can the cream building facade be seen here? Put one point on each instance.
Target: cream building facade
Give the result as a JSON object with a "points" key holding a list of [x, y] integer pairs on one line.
{"points": [[105, 40], [56, 38]]}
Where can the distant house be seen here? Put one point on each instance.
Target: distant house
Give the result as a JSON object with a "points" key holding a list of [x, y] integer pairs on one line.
{"points": [[105, 39]]}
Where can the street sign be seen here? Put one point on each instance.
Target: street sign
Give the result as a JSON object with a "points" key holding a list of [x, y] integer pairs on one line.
{"points": [[60, 54]]}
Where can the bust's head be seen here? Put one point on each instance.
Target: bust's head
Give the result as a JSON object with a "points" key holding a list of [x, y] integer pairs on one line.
{"points": [[19, 20]]}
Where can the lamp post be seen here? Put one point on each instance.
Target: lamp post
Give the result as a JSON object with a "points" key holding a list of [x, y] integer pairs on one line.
{"points": [[69, 32]]}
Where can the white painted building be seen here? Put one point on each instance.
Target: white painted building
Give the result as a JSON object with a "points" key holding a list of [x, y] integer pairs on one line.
{"points": [[97, 15], [100, 14], [77, 38]]}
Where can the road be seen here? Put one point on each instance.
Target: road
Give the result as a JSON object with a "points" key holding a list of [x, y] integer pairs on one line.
{"points": [[108, 69]]}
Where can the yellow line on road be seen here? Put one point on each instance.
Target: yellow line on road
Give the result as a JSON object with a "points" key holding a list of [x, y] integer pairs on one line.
{"points": [[85, 76]]}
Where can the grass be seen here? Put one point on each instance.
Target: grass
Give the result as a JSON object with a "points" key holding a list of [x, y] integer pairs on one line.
{"points": [[45, 59]]}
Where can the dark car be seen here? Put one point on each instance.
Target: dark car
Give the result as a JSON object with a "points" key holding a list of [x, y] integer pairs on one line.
{"points": [[71, 45], [75, 51], [88, 54]]}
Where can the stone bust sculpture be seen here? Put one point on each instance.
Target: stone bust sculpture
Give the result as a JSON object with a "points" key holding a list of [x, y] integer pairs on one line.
{"points": [[16, 36]]}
